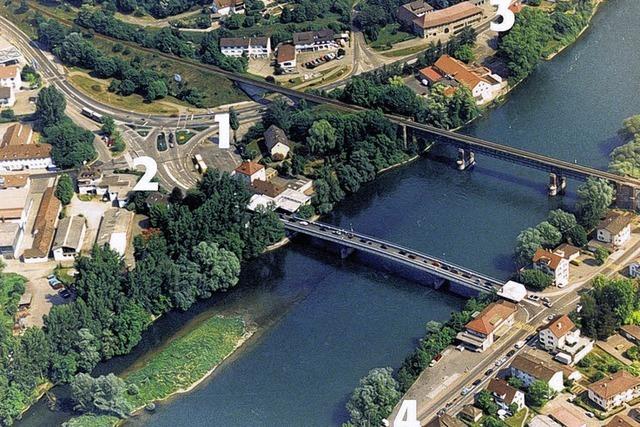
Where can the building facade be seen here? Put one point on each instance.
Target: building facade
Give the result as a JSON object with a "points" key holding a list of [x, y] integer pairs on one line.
{"points": [[254, 47], [481, 331], [615, 390], [444, 23], [311, 41], [614, 229], [552, 264], [10, 77], [529, 369]]}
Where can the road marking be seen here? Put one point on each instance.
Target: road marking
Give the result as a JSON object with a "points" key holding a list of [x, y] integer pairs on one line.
{"points": [[173, 178]]}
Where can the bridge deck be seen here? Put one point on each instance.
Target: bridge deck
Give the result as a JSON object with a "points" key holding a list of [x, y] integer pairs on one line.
{"points": [[432, 265]]}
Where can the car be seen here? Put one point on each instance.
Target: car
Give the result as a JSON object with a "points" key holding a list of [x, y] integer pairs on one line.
{"points": [[533, 297], [65, 293], [56, 284], [489, 372], [511, 353], [51, 277], [590, 414], [383, 246], [547, 304], [498, 362], [303, 223], [578, 308], [551, 316], [465, 391], [520, 344], [412, 256], [424, 82], [460, 347], [402, 252], [545, 299], [476, 383]]}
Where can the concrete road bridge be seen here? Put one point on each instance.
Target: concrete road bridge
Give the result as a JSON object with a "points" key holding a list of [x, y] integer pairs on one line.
{"points": [[440, 272]]}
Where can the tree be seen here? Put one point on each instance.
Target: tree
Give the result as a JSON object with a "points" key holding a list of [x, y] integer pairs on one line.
{"points": [[610, 304], [72, 145], [535, 279], [64, 189], [234, 123], [577, 236], [563, 221], [101, 395], [538, 394], [527, 242], [219, 268], [484, 401], [601, 255], [374, 398], [515, 382], [50, 106], [550, 235], [108, 125], [594, 198], [322, 137]]}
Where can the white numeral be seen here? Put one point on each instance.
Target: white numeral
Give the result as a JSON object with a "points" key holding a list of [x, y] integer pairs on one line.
{"points": [[223, 129], [150, 169], [508, 18], [407, 415]]}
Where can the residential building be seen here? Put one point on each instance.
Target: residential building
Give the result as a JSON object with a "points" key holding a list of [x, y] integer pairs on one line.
{"points": [[286, 57], [10, 238], [10, 77], [249, 171], [567, 251], [483, 84], [227, 7], [408, 12], [7, 97], [482, 331], [621, 421], [89, 181], [277, 143], [43, 228], [615, 229], [252, 47], [291, 200], [562, 338], [634, 269], [445, 420], [631, 332], [552, 264], [504, 394], [614, 390], [311, 41], [67, 242], [470, 414], [567, 418], [16, 199], [542, 421], [18, 151], [119, 188], [115, 229], [530, 369], [442, 23], [267, 188]]}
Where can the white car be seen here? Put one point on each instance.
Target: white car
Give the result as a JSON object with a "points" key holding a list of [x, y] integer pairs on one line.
{"points": [[520, 344], [303, 223]]}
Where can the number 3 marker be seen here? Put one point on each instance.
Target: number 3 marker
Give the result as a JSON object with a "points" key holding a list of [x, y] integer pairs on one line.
{"points": [[508, 18], [150, 169]]}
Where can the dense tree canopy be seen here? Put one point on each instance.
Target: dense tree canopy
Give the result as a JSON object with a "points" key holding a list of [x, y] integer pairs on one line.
{"points": [[374, 398]]}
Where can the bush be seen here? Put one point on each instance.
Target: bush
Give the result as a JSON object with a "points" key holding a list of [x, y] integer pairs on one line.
{"points": [[601, 255], [535, 279]]}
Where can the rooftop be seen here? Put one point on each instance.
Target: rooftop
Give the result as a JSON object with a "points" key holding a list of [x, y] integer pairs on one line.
{"points": [[13, 181], [561, 325], [9, 54], [566, 250], [5, 92], [454, 13], [286, 52], [492, 317], [10, 71], [8, 232], [537, 368], [458, 70], [615, 384], [615, 222], [633, 330], [45, 225], [114, 229], [243, 41], [69, 233], [17, 134], [502, 389], [547, 257], [621, 421], [309, 37], [249, 168], [275, 135]]}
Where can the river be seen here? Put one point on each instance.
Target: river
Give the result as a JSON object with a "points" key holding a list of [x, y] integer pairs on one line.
{"points": [[325, 323]]}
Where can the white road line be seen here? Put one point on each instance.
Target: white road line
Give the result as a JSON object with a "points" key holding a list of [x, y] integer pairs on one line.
{"points": [[173, 178]]}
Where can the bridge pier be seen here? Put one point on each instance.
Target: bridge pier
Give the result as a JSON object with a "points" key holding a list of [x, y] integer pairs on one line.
{"points": [[438, 282], [466, 159], [626, 196], [557, 184], [345, 251]]}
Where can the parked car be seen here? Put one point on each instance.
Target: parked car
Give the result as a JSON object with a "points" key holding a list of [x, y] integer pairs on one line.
{"points": [[533, 297], [304, 223], [550, 317], [55, 284], [547, 304], [65, 293], [477, 382], [465, 391], [489, 372], [511, 353], [520, 344]]}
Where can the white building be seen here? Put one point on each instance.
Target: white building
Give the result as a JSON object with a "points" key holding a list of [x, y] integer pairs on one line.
{"points": [[227, 7], [249, 171], [481, 331], [9, 56], [18, 151], [634, 269], [7, 97], [67, 242], [10, 238], [16, 199], [615, 390], [562, 337], [254, 47], [10, 77], [311, 41], [614, 229], [505, 395], [513, 291], [277, 142], [286, 57], [115, 229], [553, 264], [529, 369], [443, 23]]}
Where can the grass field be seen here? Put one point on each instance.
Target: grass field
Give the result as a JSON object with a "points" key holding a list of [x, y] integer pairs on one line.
{"points": [[92, 421], [389, 35], [186, 360], [11, 286], [404, 52], [183, 136]]}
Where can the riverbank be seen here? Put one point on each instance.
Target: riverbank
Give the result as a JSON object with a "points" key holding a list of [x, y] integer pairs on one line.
{"points": [[180, 367]]}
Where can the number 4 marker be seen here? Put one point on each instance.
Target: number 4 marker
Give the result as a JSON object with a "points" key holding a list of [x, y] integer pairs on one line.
{"points": [[407, 415]]}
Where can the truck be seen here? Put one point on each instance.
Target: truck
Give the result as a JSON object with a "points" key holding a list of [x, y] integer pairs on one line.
{"points": [[200, 164]]}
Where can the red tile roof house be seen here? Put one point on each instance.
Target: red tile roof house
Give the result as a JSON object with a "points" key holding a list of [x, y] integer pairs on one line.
{"points": [[615, 390], [562, 338], [504, 394], [481, 331], [248, 172], [553, 264]]}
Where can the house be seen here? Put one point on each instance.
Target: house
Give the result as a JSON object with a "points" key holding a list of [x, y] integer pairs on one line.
{"points": [[621, 421], [542, 421], [615, 229], [10, 77], [529, 368], [115, 229], [634, 269], [444, 23], [67, 242], [408, 12], [552, 264], [267, 188], [7, 97], [566, 418], [470, 414], [16, 199], [277, 143], [567, 251], [18, 152], [249, 171], [286, 57], [614, 390], [562, 337], [631, 332], [505, 395], [226, 7], [252, 47], [10, 239], [291, 200], [483, 84], [89, 180], [445, 420], [43, 228], [118, 188], [312, 41], [481, 331]]}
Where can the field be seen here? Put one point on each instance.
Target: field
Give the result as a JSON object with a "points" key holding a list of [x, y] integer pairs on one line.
{"points": [[92, 421], [186, 360], [389, 35]]}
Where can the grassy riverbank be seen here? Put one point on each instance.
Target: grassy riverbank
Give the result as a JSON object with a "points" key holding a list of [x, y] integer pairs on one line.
{"points": [[179, 367]]}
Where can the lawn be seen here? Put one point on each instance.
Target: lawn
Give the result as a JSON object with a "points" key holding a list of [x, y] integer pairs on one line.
{"points": [[92, 421], [600, 361], [183, 136], [186, 360], [97, 89], [404, 52], [518, 419], [11, 288], [389, 35]]}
